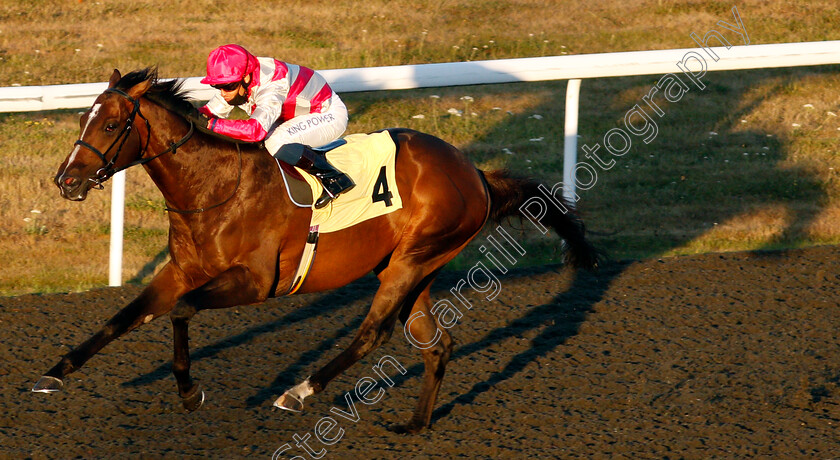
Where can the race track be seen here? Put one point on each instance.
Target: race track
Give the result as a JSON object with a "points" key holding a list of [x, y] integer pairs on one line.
{"points": [[712, 356]]}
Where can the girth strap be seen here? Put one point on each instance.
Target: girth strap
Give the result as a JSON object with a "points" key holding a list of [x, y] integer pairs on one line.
{"points": [[305, 261]]}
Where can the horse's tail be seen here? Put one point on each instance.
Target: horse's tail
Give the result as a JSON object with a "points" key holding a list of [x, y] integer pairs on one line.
{"points": [[508, 193]]}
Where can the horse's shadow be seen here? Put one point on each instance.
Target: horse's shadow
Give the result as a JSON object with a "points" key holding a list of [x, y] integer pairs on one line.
{"points": [[564, 314], [286, 377], [150, 267], [328, 303]]}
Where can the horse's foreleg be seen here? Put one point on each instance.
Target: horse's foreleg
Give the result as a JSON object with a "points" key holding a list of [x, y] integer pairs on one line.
{"points": [[436, 346], [235, 286], [156, 300], [376, 329]]}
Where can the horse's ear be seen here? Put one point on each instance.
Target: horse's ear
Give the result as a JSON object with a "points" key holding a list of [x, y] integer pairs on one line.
{"points": [[115, 77], [140, 89]]}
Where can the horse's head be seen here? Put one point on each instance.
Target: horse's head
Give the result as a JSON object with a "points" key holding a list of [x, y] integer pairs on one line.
{"points": [[108, 140]]}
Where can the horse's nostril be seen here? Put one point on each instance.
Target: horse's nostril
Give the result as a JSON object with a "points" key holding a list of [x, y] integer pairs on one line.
{"points": [[67, 182]]}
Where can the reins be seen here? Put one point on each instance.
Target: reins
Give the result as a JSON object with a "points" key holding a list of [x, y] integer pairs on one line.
{"points": [[107, 170]]}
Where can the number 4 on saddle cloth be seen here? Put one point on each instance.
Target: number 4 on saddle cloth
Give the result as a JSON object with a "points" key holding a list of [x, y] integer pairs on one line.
{"points": [[369, 160]]}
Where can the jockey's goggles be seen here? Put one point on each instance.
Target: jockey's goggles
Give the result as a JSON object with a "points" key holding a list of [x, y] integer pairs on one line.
{"points": [[228, 86]]}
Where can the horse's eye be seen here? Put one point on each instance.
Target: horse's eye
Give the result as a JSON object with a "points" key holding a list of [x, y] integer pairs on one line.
{"points": [[110, 127]]}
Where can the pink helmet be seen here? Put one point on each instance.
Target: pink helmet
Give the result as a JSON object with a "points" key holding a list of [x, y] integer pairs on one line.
{"points": [[227, 64]]}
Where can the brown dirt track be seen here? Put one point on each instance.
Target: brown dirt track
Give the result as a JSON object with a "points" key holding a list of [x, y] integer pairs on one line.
{"points": [[713, 356]]}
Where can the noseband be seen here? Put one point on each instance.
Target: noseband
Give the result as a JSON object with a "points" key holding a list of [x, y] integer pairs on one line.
{"points": [[107, 170]]}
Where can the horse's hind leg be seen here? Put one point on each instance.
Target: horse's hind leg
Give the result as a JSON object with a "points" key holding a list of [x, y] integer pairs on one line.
{"points": [[400, 281], [436, 346]]}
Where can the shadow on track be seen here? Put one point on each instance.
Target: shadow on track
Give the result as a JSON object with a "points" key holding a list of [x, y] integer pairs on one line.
{"points": [[326, 303]]}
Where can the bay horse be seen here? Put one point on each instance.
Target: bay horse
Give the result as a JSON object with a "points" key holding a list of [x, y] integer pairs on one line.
{"points": [[236, 238]]}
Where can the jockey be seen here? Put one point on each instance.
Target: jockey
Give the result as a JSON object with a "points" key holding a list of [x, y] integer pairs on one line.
{"points": [[288, 104]]}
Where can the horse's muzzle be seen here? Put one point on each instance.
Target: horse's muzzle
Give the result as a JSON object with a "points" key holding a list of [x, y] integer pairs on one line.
{"points": [[71, 187]]}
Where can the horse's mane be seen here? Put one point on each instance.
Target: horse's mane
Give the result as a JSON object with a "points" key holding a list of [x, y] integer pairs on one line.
{"points": [[168, 93], [171, 95]]}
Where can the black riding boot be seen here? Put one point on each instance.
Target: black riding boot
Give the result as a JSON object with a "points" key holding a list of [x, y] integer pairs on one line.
{"points": [[334, 181]]}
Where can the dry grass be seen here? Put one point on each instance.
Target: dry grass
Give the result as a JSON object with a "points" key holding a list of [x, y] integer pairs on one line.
{"points": [[688, 191], [47, 42]]}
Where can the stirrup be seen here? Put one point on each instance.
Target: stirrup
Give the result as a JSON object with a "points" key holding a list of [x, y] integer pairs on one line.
{"points": [[315, 163], [333, 187], [322, 201]]}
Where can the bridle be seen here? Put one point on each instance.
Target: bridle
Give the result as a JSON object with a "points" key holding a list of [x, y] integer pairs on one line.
{"points": [[107, 170]]}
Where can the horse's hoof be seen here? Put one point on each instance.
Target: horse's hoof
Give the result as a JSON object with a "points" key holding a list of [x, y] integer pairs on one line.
{"points": [[407, 428], [47, 384], [289, 402], [194, 400]]}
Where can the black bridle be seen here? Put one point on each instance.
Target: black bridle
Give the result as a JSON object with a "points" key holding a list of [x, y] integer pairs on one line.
{"points": [[107, 170]]}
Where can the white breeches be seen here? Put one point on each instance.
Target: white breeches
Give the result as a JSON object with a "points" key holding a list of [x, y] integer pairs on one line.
{"points": [[314, 129]]}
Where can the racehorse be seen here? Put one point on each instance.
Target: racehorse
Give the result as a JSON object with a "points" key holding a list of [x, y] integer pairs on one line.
{"points": [[236, 238]]}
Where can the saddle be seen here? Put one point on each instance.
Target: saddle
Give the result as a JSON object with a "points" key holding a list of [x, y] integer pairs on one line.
{"points": [[369, 159]]}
